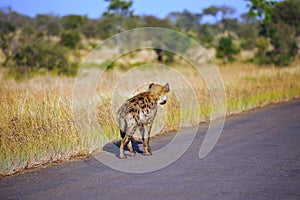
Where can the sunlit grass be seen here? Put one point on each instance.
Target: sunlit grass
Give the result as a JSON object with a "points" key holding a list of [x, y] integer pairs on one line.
{"points": [[37, 123], [36, 128]]}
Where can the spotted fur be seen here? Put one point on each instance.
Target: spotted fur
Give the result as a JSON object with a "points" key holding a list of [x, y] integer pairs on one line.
{"points": [[139, 112]]}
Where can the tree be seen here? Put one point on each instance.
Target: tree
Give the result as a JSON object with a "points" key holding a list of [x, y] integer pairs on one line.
{"points": [[247, 31], [213, 11], [152, 21], [33, 53], [225, 10], [280, 22], [72, 22], [6, 27], [70, 39], [54, 27], [287, 12], [206, 34], [90, 29], [48, 24], [41, 21], [282, 31], [261, 9], [185, 20], [106, 27], [118, 12], [248, 19], [6, 39], [231, 24], [17, 19], [247, 35], [120, 8], [226, 49], [262, 45]]}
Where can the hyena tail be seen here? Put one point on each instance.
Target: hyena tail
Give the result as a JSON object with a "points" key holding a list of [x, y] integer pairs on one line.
{"points": [[122, 133]]}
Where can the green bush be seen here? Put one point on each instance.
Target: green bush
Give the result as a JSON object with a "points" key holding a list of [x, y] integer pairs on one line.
{"points": [[70, 39], [226, 49], [39, 56]]}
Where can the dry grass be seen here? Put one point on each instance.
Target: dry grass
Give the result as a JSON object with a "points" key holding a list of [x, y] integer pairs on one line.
{"points": [[37, 126], [249, 86]]}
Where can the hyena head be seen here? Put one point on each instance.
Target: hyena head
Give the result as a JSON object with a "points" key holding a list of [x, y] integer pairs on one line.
{"points": [[159, 91]]}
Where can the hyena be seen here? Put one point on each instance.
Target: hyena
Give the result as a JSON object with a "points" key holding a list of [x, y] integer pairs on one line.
{"points": [[139, 112]]}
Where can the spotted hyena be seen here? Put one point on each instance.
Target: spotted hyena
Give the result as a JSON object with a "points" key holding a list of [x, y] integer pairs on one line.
{"points": [[139, 112]]}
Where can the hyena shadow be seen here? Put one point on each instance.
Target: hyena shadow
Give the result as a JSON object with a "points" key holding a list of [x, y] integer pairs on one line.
{"points": [[114, 147]]}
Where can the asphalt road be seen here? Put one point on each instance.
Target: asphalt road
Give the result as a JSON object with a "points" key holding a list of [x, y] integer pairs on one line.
{"points": [[256, 157]]}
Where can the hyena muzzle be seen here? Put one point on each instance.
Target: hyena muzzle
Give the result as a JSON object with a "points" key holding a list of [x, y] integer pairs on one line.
{"points": [[139, 112]]}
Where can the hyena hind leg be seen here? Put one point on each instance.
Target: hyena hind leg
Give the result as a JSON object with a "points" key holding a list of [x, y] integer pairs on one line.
{"points": [[126, 141], [130, 148]]}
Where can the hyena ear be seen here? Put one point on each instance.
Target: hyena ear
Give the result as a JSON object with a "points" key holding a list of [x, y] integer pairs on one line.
{"points": [[167, 87], [150, 86]]}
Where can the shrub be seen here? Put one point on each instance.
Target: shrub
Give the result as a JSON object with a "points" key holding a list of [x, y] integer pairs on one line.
{"points": [[70, 39], [226, 49], [41, 55]]}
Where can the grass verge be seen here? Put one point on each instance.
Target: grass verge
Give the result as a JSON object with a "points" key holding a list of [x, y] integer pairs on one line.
{"points": [[37, 126]]}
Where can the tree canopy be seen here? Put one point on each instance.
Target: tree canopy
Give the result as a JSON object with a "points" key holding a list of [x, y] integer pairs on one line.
{"points": [[270, 28]]}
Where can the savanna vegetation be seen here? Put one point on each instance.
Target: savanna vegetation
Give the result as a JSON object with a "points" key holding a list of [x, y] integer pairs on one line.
{"points": [[257, 55]]}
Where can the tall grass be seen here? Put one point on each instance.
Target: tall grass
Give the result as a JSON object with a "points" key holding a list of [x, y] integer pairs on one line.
{"points": [[37, 125], [35, 128], [248, 86]]}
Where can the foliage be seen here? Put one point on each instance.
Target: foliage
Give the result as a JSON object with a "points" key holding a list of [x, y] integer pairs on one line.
{"points": [[280, 24], [226, 49], [186, 20], [37, 55], [212, 10], [6, 27], [90, 29], [152, 21], [262, 45], [224, 11], [271, 28], [71, 22], [261, 9], [70, 39], [248, 32], [30, 52], [119, 7], [6, 38], [119, 11]]}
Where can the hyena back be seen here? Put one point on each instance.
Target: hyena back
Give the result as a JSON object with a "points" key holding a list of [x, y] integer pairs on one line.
{"points": [[139, 112]]}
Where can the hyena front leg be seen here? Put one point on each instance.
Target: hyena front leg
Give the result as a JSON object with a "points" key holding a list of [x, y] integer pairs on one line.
{"points": [[146, 137], [125, 141]]}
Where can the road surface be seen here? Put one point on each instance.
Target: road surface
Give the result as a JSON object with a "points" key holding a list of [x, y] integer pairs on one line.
{"points": [[256, 157]]}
